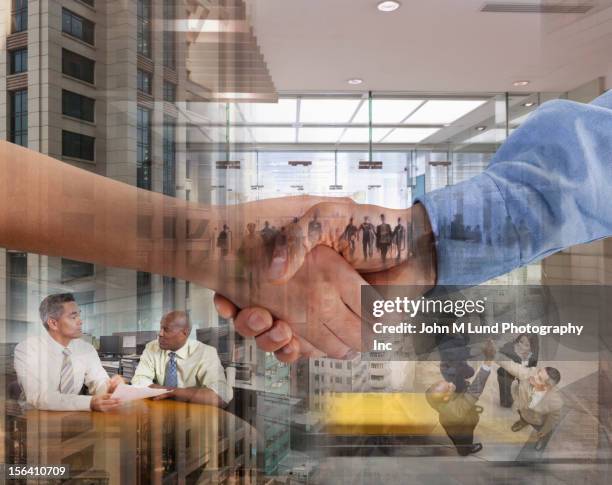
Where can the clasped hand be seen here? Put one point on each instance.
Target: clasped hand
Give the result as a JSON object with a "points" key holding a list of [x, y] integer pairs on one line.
{"points": [[309, 303]]}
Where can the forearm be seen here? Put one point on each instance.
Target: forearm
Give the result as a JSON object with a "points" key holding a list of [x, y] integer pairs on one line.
{"points": [[198, 395], [53, 208], [50, 207]]}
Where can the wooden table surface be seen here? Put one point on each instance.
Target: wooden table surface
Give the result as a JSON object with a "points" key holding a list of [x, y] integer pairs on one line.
{"points": [[144, 442]]}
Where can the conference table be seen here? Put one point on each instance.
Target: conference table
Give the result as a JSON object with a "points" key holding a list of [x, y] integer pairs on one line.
{"points": [[144, 442]]}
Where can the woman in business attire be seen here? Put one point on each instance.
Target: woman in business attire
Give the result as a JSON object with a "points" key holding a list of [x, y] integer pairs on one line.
{"points": [[522, 350]]}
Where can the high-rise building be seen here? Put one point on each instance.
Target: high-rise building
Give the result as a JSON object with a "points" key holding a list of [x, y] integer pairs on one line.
{"points": [[102, 86]]}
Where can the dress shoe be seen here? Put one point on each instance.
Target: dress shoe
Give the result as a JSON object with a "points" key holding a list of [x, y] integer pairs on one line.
{"points": [[519, 425]]}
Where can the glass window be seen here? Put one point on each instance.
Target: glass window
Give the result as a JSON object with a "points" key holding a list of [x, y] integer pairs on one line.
{"points": [[77, 26], [169, 36], [143, 37], [77, 66], [19, 17], [78, 106], [169, 155], [19, 117], [145, 83], [169, 91], [89, 2], [143, 299], [17, 284], [18, 61], [77, 145], [168, 293], [143, 151], [72, 269]]}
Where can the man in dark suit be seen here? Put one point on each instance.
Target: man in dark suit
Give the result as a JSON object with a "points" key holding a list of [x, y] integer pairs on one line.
{"points": [[458, 412]]}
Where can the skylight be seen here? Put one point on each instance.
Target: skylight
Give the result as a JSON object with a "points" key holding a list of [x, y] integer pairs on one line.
{"points": [[327, 110], [361, 135], [409, 135], [387, 110], [273, 135], [319, 135], [439, 112], [282, 112]]}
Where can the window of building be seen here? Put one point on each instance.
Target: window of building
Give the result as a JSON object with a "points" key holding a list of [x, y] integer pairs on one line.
{"points": [[78, 106], [168, 293], [78, 66], [18, 61], [169, 36], [143, 148], [143, 36], [19, 16], [143, 299], [145, 82], [169, 184], [89, 2], [187, 195], [76, 145], [17, 284], [72, 269], [18, 101], [316, 363], [187, 289], [169, 91], [188, 169], [77, 26]]}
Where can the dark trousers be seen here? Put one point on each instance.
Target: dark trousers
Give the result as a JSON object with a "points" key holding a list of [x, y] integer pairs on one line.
{"points": [[462, 437], [505, 379], [383, 251], [367, 247]]}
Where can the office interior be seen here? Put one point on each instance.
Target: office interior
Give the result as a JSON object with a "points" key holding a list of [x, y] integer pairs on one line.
{"points": [[230, 101]]}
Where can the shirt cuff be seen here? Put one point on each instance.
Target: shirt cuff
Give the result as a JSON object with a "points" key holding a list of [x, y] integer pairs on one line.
{"points": [[485, 368], [475, 237]]}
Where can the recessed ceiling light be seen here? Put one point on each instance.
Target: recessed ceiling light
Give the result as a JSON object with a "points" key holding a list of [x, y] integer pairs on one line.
{"points": [[446, 125], [520, 83], [529, 104], [355, 81], [481, 128], [388, 6]]}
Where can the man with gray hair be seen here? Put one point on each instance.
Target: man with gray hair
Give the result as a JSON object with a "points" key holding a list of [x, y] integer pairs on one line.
{"points": [[53, 367], [191, 370]]}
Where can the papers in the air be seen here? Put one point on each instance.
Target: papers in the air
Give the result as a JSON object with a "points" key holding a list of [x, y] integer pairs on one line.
{"points": [[132, 393]]}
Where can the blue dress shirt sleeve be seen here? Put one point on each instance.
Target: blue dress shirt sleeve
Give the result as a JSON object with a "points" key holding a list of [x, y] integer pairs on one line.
{"points": [[548, 187]]}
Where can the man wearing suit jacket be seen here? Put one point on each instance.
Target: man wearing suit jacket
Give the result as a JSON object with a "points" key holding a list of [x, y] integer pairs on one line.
{"points": [[458, 412], [536, 398]]}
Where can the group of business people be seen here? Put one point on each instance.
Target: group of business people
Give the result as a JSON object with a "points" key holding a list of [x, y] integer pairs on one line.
{"points": [[59, 371], [531, 391]]}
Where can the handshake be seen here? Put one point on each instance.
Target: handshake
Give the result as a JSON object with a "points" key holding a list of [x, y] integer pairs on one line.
{"points": [[299, 288]]}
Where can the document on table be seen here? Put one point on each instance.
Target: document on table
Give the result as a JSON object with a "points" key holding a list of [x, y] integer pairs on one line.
{"points": [[126, 393]]}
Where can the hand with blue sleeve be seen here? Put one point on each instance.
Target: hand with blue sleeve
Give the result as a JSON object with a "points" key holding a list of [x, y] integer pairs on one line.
{"points": [[546, 188]]}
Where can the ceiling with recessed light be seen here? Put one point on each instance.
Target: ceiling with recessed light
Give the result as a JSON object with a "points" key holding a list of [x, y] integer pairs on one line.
{"points": [[428, 46]]}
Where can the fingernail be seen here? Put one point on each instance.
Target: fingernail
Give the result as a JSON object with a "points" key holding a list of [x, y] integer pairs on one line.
{"points": [[277, 267], [278, 334], [287, 349], [256, 322]]}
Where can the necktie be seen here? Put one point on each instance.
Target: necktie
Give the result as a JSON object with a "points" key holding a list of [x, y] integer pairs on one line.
{"points": [[171, 379], [67, 375]]}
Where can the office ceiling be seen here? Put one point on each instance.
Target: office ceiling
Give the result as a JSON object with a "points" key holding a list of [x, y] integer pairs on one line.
{"points": [[429, 46]]}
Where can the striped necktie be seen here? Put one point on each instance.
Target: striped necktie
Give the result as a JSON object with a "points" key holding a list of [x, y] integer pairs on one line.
{"points": [[67, 375], [171, 379]]}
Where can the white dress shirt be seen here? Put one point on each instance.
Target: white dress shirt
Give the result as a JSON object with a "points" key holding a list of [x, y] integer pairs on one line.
{"points": [[197, 365], [38, 363]]}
